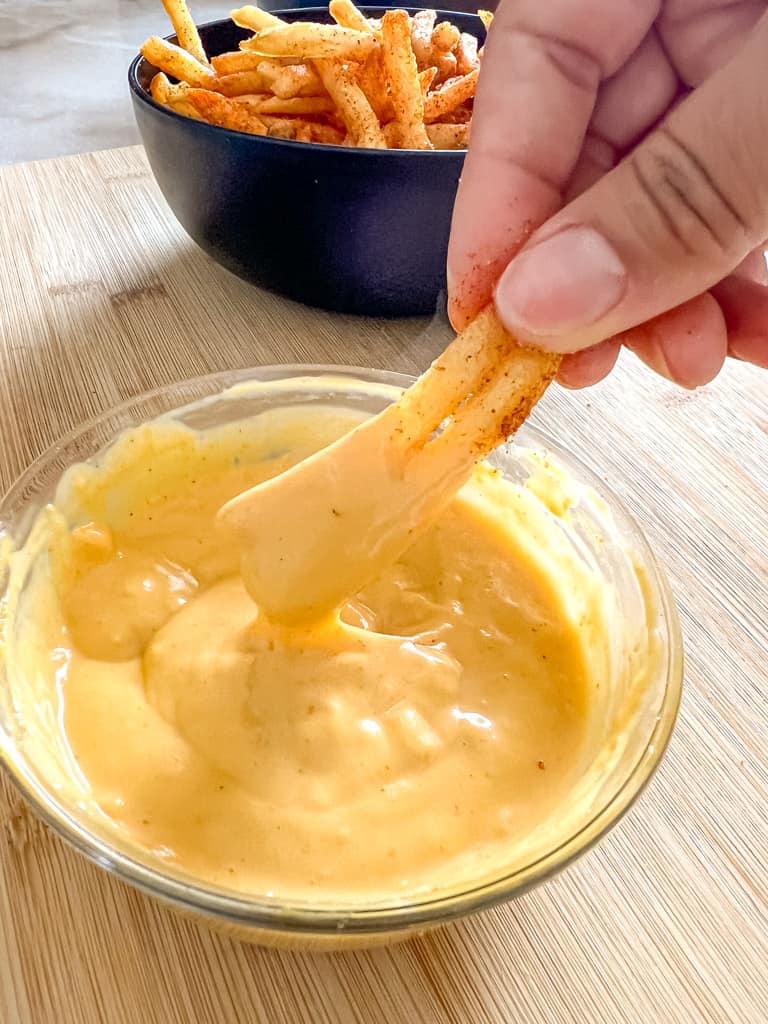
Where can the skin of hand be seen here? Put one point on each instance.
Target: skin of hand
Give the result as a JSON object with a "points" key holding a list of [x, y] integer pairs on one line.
{"points": [[616, 186]]}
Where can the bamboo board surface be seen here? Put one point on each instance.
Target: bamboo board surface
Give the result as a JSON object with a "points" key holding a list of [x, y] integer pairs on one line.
{"points": [[102, 296]]}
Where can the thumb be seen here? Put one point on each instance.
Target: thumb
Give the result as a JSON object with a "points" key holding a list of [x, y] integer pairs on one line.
{"points": [[676, 216]]}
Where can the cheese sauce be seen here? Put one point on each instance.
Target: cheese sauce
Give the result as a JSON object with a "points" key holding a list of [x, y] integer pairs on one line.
{"points": [[430, 725]]}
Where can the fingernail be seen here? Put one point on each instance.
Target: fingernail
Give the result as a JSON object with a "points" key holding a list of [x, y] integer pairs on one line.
{"points": [[563, 284]]}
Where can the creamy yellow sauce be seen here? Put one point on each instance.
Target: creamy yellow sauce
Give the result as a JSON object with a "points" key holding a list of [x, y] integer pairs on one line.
{"points": [[413, 741]]}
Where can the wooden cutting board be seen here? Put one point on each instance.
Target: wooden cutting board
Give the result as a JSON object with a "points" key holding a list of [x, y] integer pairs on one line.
{"points": [[103, 296]]}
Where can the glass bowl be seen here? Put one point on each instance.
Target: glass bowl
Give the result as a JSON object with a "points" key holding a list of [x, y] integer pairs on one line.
{"points": [[637, 715]]}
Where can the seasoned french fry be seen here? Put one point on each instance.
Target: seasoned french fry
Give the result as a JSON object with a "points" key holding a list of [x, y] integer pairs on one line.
{"points": [[362, 124], [241, 83], [391, 133], [444, 37], [306, 40], [277, 127], [450, 96], [373, 82], [297, 80], [328, 134], [254, 18], [286, 128], [160, 89], [448, 136], [446, 65], [403, 80], [345, 13], [226, 113], [176, 99], [459, 115], [422, 25], [305, 106], [185, 28], [426, 78], [486, 17], [236, 61], [177, 62], [270, 68], [466, 54], [182, 106]]}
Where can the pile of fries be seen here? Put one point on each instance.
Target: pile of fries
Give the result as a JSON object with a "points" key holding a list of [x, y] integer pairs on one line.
{"points": [[395, 82]]}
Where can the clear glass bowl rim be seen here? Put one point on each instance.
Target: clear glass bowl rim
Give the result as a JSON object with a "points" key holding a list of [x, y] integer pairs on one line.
{"points": [[274, 915]]}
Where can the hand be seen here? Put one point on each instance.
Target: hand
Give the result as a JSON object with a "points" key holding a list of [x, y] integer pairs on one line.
{"points": [[662, 251]]}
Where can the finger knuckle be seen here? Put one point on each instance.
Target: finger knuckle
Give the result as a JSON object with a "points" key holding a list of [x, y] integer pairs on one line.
{"points": [[684, 199]]}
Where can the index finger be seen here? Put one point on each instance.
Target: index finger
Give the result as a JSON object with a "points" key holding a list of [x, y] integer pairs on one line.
{"points": [[541, 70]]}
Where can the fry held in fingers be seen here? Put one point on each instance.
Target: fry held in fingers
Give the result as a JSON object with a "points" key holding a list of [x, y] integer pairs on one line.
{"points": [[395, 82]]}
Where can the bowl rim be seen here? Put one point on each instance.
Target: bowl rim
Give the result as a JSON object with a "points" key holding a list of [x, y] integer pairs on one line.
{"points": [[142, 95], [359, 919]]}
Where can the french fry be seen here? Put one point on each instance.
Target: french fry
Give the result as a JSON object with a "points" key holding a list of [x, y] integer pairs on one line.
{"points": [[296, 106], [235, 62], [392, 135], [446, 65], [486, 17], [254, 18], [182, 106], [241, 83], [306, 40], [459, 115], [444, 37], [185, 28], [426, 78], [345, 13], [403, 80], [466, 54], [225, 112], [328, 134], [277, 127], [270, 68], [450, 96], [422, 25], [287, 127], [160, 89], [448, 136], [177, 62], [297, 80], [373, 82], [176, 99], [363, 126]]}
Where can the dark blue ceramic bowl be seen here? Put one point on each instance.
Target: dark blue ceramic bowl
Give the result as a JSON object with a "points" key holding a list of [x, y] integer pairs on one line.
{"points": [[353, 230]]}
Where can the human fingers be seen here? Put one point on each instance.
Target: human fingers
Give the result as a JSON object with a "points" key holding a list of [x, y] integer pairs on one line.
{"points": [[542, 67], [679, 214], [744, 305], [700, 36], [687, 345], [591, 365]]}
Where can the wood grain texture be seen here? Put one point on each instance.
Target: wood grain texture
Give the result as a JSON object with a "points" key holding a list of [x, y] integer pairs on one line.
{"points": [[102, 296]]}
